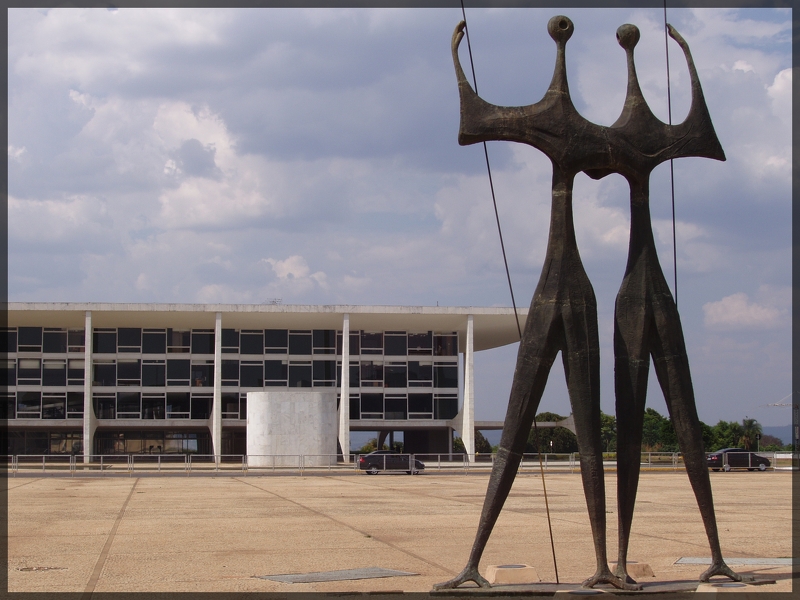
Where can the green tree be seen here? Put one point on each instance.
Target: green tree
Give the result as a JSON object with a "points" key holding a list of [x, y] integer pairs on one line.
{"points": [[727, 434], [750, 428], [564, 441], [652, 425], [458, 446], [482, 445], [608, 432]]}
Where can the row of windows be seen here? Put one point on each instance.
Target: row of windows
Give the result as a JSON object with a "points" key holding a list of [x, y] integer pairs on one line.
{"points": [[29, 442], [200, 373], [201, 341], [183, 405]]}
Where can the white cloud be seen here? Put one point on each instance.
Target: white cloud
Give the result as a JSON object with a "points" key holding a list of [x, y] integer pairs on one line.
{"points": [[15, 153], [294, 267], [780, 93], [737, 312]]}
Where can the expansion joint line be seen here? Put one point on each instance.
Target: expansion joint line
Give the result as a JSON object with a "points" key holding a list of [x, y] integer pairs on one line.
{"points": [[508, 276], [101, 560]]}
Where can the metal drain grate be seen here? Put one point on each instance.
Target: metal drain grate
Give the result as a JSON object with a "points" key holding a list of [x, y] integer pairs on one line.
{"points": [[41, 569], [343, 575]]}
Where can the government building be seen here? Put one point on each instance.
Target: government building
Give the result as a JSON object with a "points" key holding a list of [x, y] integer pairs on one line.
{"points": [[99, 379]]}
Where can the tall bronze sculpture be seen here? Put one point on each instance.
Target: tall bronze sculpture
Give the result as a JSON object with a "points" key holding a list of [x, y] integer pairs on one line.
{"points": [[563, 313], [646, 319]]}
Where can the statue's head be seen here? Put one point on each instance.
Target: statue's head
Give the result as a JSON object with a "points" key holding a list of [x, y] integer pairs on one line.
{"points": [[628, 36], [560, 28]]}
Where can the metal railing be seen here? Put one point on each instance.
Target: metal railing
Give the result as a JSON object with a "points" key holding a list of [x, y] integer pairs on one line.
{"points": [[300, 464]]}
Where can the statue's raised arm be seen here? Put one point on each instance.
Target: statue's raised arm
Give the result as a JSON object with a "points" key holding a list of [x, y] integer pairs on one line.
{"points": [[547, 125]]}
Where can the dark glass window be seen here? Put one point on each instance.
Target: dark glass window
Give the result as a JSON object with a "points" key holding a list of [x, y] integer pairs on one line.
{"points": [[230, 341], [29, 403], [76, 340], [299, 375], [355, 379], [243, 406], [178, 341], [154, 341], [178, 405], [203, 375], [129, 372], [396, 407], [230, 405], [178, 369], [105, 373], [445, 407], [276, 370], [154, 374], [30, 339], [54, 406], [252, 342], [420, 344], [54, 372], [230, 372], [75, 371], [419, 374], [10, 340], [371, 343], [276, 341], [201, 407], [129, 405], [394, 376], [445, 376], [202, 342], [371, 372], [104, 342], [29, 371], [129, 339], [420, 403], [355, 407], [372, 406], [104, 406], [251, 374], [299, 342], [8, 372], [8, 410], [394, 345], [445, 345], [153, 407], [74, 405], [54, 341], [324, 370], [324, 341]]}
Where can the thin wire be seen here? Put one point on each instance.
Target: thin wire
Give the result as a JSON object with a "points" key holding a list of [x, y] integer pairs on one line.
{"points": [[491, 183], [671, 171], [546, 504], [510, 287]]}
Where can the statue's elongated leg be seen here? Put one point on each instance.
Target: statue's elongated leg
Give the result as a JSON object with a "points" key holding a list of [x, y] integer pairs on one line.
{"points": [[537, 351], [632, 317], [672, 368], [582, 369]]}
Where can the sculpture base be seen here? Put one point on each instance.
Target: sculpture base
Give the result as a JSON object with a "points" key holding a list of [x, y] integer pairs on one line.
{"points": [[636, 570], [511, 574]]}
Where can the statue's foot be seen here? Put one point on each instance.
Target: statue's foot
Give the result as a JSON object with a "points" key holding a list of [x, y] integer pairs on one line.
{"points": [[720, 568], [605, 576], [468, 574], [622, 573]]}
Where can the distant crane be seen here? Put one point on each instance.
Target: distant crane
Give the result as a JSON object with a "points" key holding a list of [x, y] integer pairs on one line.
{"points": [[795, 419]]}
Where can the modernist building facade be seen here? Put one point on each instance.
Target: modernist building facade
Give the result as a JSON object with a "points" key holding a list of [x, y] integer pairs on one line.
{"points": [[94, 378]]}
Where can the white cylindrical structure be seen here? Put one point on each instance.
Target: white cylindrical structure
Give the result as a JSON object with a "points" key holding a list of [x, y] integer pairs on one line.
{"points": [[284, 425]]}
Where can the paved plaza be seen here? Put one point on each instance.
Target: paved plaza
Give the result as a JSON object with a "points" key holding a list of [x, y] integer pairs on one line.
{"points": [[219, 534]]}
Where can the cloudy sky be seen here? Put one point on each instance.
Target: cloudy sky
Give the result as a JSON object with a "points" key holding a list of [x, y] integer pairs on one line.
{"points": [[241, 156]]}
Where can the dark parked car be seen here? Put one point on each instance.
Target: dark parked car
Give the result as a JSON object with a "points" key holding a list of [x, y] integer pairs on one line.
{"points": [[386, 460], [736, 458]]}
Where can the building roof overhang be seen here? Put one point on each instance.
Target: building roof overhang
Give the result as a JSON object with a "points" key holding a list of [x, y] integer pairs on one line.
{"points": [[492, 326]]}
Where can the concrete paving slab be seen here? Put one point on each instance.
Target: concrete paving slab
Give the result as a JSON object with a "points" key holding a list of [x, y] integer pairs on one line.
{"points": [[202, 534]]}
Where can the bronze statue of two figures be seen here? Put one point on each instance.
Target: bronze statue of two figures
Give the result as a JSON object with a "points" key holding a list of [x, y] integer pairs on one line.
{"points": [[563, 313]]}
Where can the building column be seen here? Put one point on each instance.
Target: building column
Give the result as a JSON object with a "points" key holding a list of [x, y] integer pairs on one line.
{"points": [[216, 407], [89, 419], [468, 412], [344, 392]]}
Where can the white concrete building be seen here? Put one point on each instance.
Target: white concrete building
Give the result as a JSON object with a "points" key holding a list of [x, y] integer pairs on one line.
{"points": [[175, 377]]}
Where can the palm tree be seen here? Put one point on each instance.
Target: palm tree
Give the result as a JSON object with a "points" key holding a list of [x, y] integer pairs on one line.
{"points": [[750, 428]]}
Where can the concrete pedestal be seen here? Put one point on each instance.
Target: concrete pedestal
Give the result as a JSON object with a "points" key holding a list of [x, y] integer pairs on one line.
{"points": [[281, 426], [511, 574]]}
